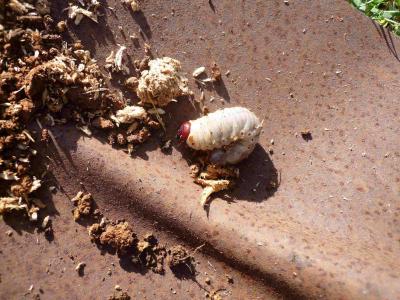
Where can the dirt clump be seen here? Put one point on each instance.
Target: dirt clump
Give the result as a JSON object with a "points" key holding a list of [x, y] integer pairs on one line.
{"points": [[162, 82], [179, 259], [83, 205], [119, 236], [119, 295], [216, 72], [150, 254]]}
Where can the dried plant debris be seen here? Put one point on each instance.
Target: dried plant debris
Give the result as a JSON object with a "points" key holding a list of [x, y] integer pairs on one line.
{"points": [[83, 205], [9, 204], [162, 82], [198, 71], [210, 187], [43, 78], [86, 8], [119, 295], [114, 62], [214, 295], [129, 114], [213, 179], [80, 268], [77, 13]]}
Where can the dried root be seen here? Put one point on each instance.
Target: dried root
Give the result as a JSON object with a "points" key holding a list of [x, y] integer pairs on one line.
{"points": [[214, 179]]}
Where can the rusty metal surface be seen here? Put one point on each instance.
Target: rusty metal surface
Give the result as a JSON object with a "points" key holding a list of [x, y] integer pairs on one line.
{"points": [[330, 227]]}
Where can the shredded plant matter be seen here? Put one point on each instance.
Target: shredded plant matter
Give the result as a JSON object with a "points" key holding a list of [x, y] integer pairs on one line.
{"points": [[162, 82], [44, 79], [86, 8]]}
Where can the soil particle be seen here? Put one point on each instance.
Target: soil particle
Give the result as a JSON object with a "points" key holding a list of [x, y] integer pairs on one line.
{"points": [[95, 231], [83, 205], [103, 123], [118, 295], [140, 137], [132, 83], [306, 134], [195, 170], [80, 268], [44, 135], [216, 72]]}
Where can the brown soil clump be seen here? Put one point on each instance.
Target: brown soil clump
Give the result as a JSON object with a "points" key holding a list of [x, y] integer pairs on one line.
{"points": [[119, 296], [180, 259], [119, 236], [83, 205]]}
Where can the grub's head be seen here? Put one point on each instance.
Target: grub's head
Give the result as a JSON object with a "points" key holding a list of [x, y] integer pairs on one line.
{"points": [[183, 132]]}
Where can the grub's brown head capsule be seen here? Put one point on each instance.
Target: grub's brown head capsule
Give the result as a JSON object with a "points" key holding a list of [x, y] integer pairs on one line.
{"points": [[183, 132]]}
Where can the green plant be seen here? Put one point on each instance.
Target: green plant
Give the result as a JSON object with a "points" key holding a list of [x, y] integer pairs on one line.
{"points": [[385, 12]]}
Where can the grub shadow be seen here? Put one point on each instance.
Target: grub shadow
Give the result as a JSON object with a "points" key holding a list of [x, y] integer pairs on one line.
{"points": [[221, 90], [184, 272], [259, 179], [128, 265]]}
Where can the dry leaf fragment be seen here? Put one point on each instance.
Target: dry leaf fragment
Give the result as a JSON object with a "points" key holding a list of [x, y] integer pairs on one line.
{"points": [[8, 175], [17, 7], [77, 13], [198, 71], [37, 183], [118, 58], [9, 204]]}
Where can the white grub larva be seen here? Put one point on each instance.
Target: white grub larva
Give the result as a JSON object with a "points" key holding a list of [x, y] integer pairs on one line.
{"points": [[230, 134]]}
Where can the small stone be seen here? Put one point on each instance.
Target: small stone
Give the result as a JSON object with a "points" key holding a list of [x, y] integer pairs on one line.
{"points": [[207, 280]]}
